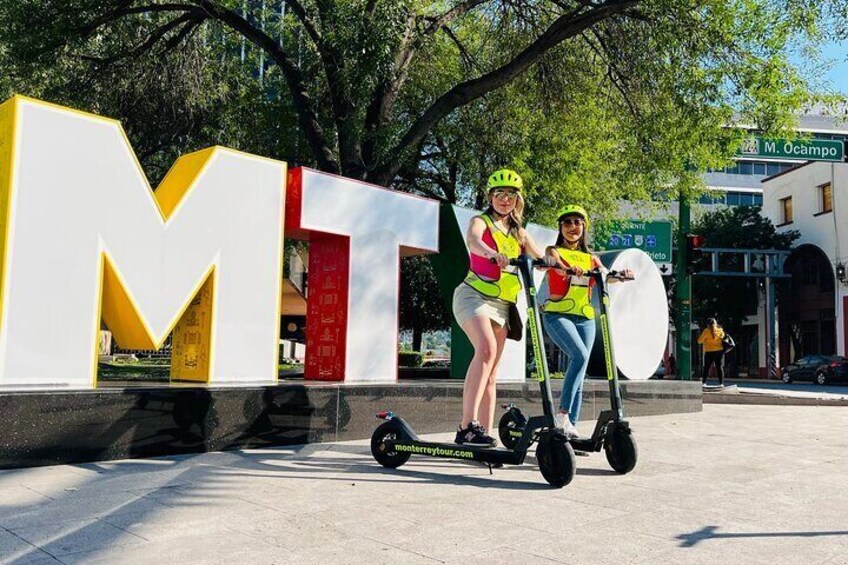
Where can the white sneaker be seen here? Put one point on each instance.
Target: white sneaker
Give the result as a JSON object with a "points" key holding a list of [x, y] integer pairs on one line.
{"points": [[563, 422]]}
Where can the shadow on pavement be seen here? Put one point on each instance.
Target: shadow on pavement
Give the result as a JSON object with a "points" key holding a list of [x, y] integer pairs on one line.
{"points": [[711, 532], [305, 469]]}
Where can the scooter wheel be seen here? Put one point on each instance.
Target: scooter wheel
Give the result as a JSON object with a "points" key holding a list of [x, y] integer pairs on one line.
{"points": [[391, 459], [510, 429], [556, 460], [620, 447]]}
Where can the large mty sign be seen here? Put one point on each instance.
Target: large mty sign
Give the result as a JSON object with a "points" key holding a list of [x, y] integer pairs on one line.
{"points": [[84, 241]]}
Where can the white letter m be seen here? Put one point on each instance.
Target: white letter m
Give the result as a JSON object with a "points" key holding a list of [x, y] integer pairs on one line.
{"points": [[80, 230]]}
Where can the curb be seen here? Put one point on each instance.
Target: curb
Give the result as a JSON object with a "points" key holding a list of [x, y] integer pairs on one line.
{"points": [[769, 400]]}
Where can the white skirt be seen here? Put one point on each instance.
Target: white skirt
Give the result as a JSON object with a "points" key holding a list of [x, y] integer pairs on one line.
{"points": [[468, 303]]}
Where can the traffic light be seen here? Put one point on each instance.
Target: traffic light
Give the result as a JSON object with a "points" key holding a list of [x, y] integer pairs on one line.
{"points": [[694, 256]]}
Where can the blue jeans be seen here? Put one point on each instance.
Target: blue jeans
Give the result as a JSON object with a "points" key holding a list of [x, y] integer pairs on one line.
{"points": [[575, 335]]}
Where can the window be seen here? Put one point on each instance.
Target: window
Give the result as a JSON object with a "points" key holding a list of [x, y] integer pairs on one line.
{"points": [[758, 200], [786, 210], [733, 198], [759, 168], [772, 169], [825, 198], [746, 168]]}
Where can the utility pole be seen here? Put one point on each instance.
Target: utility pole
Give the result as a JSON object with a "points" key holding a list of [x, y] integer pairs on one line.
{"points": [[683, 294], [771, 319]]}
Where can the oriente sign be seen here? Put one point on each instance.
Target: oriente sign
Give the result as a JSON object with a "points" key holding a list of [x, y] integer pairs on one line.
{"points": [[808, 150], [652, 237]]}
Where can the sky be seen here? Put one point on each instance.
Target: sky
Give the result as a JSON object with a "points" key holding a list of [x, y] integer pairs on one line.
{"points": [[835, 78]]}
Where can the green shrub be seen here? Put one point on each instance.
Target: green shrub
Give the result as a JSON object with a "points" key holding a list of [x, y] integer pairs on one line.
{"points": [[410, 359]]}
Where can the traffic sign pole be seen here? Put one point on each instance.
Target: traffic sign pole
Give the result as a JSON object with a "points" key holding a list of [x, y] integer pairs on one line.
{"points": [[683, 295]]}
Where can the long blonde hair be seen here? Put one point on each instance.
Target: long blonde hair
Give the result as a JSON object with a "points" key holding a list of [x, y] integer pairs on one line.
{"points": [[713, 325], [515, 219]]}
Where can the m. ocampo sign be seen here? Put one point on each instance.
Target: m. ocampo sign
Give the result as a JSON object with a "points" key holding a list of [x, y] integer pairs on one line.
{"points": [[83, 238], [810, 150]]}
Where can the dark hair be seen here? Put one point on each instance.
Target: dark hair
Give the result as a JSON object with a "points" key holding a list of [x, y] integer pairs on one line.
{"points": [[581, 243]]}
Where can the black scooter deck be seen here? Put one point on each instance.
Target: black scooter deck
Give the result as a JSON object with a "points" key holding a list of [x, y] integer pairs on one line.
{"points": [[587, 444], [457, 451]]}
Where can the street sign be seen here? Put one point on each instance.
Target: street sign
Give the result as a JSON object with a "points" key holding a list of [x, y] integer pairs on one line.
{"points": [[666, 269], [804, 149], [654, 238]]}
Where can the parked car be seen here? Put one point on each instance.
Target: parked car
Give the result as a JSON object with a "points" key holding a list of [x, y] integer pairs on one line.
{"points": [[820, 369]]}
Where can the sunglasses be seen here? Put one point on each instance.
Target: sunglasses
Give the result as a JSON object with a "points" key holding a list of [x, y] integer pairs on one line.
{"points": [[572, 222], [505, 194]]}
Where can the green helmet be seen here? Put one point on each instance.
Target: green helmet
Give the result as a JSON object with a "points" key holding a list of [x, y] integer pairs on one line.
{"points": [[573, 210], [505, 178]]}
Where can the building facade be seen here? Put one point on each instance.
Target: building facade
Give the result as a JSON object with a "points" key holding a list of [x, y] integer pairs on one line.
{"points": [[811, 320], [812, 199]]}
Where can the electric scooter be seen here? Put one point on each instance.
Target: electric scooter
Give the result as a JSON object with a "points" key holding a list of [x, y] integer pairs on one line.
{"points": [[394, 441], [612, 432]]}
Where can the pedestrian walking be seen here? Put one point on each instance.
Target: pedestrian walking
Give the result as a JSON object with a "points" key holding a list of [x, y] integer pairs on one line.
{"points": [[712, 342]]}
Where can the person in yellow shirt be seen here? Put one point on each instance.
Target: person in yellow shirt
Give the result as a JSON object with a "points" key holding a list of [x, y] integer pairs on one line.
{"points": [[711, 340]]}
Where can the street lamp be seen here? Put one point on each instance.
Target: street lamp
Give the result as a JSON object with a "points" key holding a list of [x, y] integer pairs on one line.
{"points": [[840, 272]]}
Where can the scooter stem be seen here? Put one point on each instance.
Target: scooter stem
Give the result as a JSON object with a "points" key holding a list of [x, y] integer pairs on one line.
{"points": [[534, 322], [609, 353]]}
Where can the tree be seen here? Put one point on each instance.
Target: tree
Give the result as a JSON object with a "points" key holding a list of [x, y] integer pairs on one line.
{"points": [[421, 306], [731, 300], [623, 95]]}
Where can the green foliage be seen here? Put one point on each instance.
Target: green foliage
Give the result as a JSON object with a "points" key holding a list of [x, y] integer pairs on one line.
{"points": [[731, 300], [421, 306], [410, 359], [634, 104], [436, 341], [633, 107], [742, 227]]}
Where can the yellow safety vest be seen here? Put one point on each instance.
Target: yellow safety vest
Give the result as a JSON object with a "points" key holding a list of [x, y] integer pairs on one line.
{"points": [[578, 297], [507, 285]]}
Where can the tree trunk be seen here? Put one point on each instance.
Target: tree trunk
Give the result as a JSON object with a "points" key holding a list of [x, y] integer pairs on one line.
{"points": [[417, 336]]}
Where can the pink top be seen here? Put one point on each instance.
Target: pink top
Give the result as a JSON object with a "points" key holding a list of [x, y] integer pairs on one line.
{"points": [[481, 266]]}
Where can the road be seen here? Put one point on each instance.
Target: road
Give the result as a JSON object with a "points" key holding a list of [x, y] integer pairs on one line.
{"points": [[732, 484]]}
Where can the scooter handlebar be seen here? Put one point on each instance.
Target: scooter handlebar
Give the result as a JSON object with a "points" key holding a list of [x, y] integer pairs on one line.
{"points": [[533, 262], [617, 275], [620, 276], [515, 262]]}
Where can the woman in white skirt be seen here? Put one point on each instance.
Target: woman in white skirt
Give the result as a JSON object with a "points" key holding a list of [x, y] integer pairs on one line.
{"points": [[481, 303]]}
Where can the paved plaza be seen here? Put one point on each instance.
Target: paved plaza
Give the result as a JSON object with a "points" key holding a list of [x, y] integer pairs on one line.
{"points": [[732, 484], [795, 390]]}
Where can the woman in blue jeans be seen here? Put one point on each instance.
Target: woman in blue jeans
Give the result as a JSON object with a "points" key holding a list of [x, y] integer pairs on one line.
{"points": [[568, 315]]}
